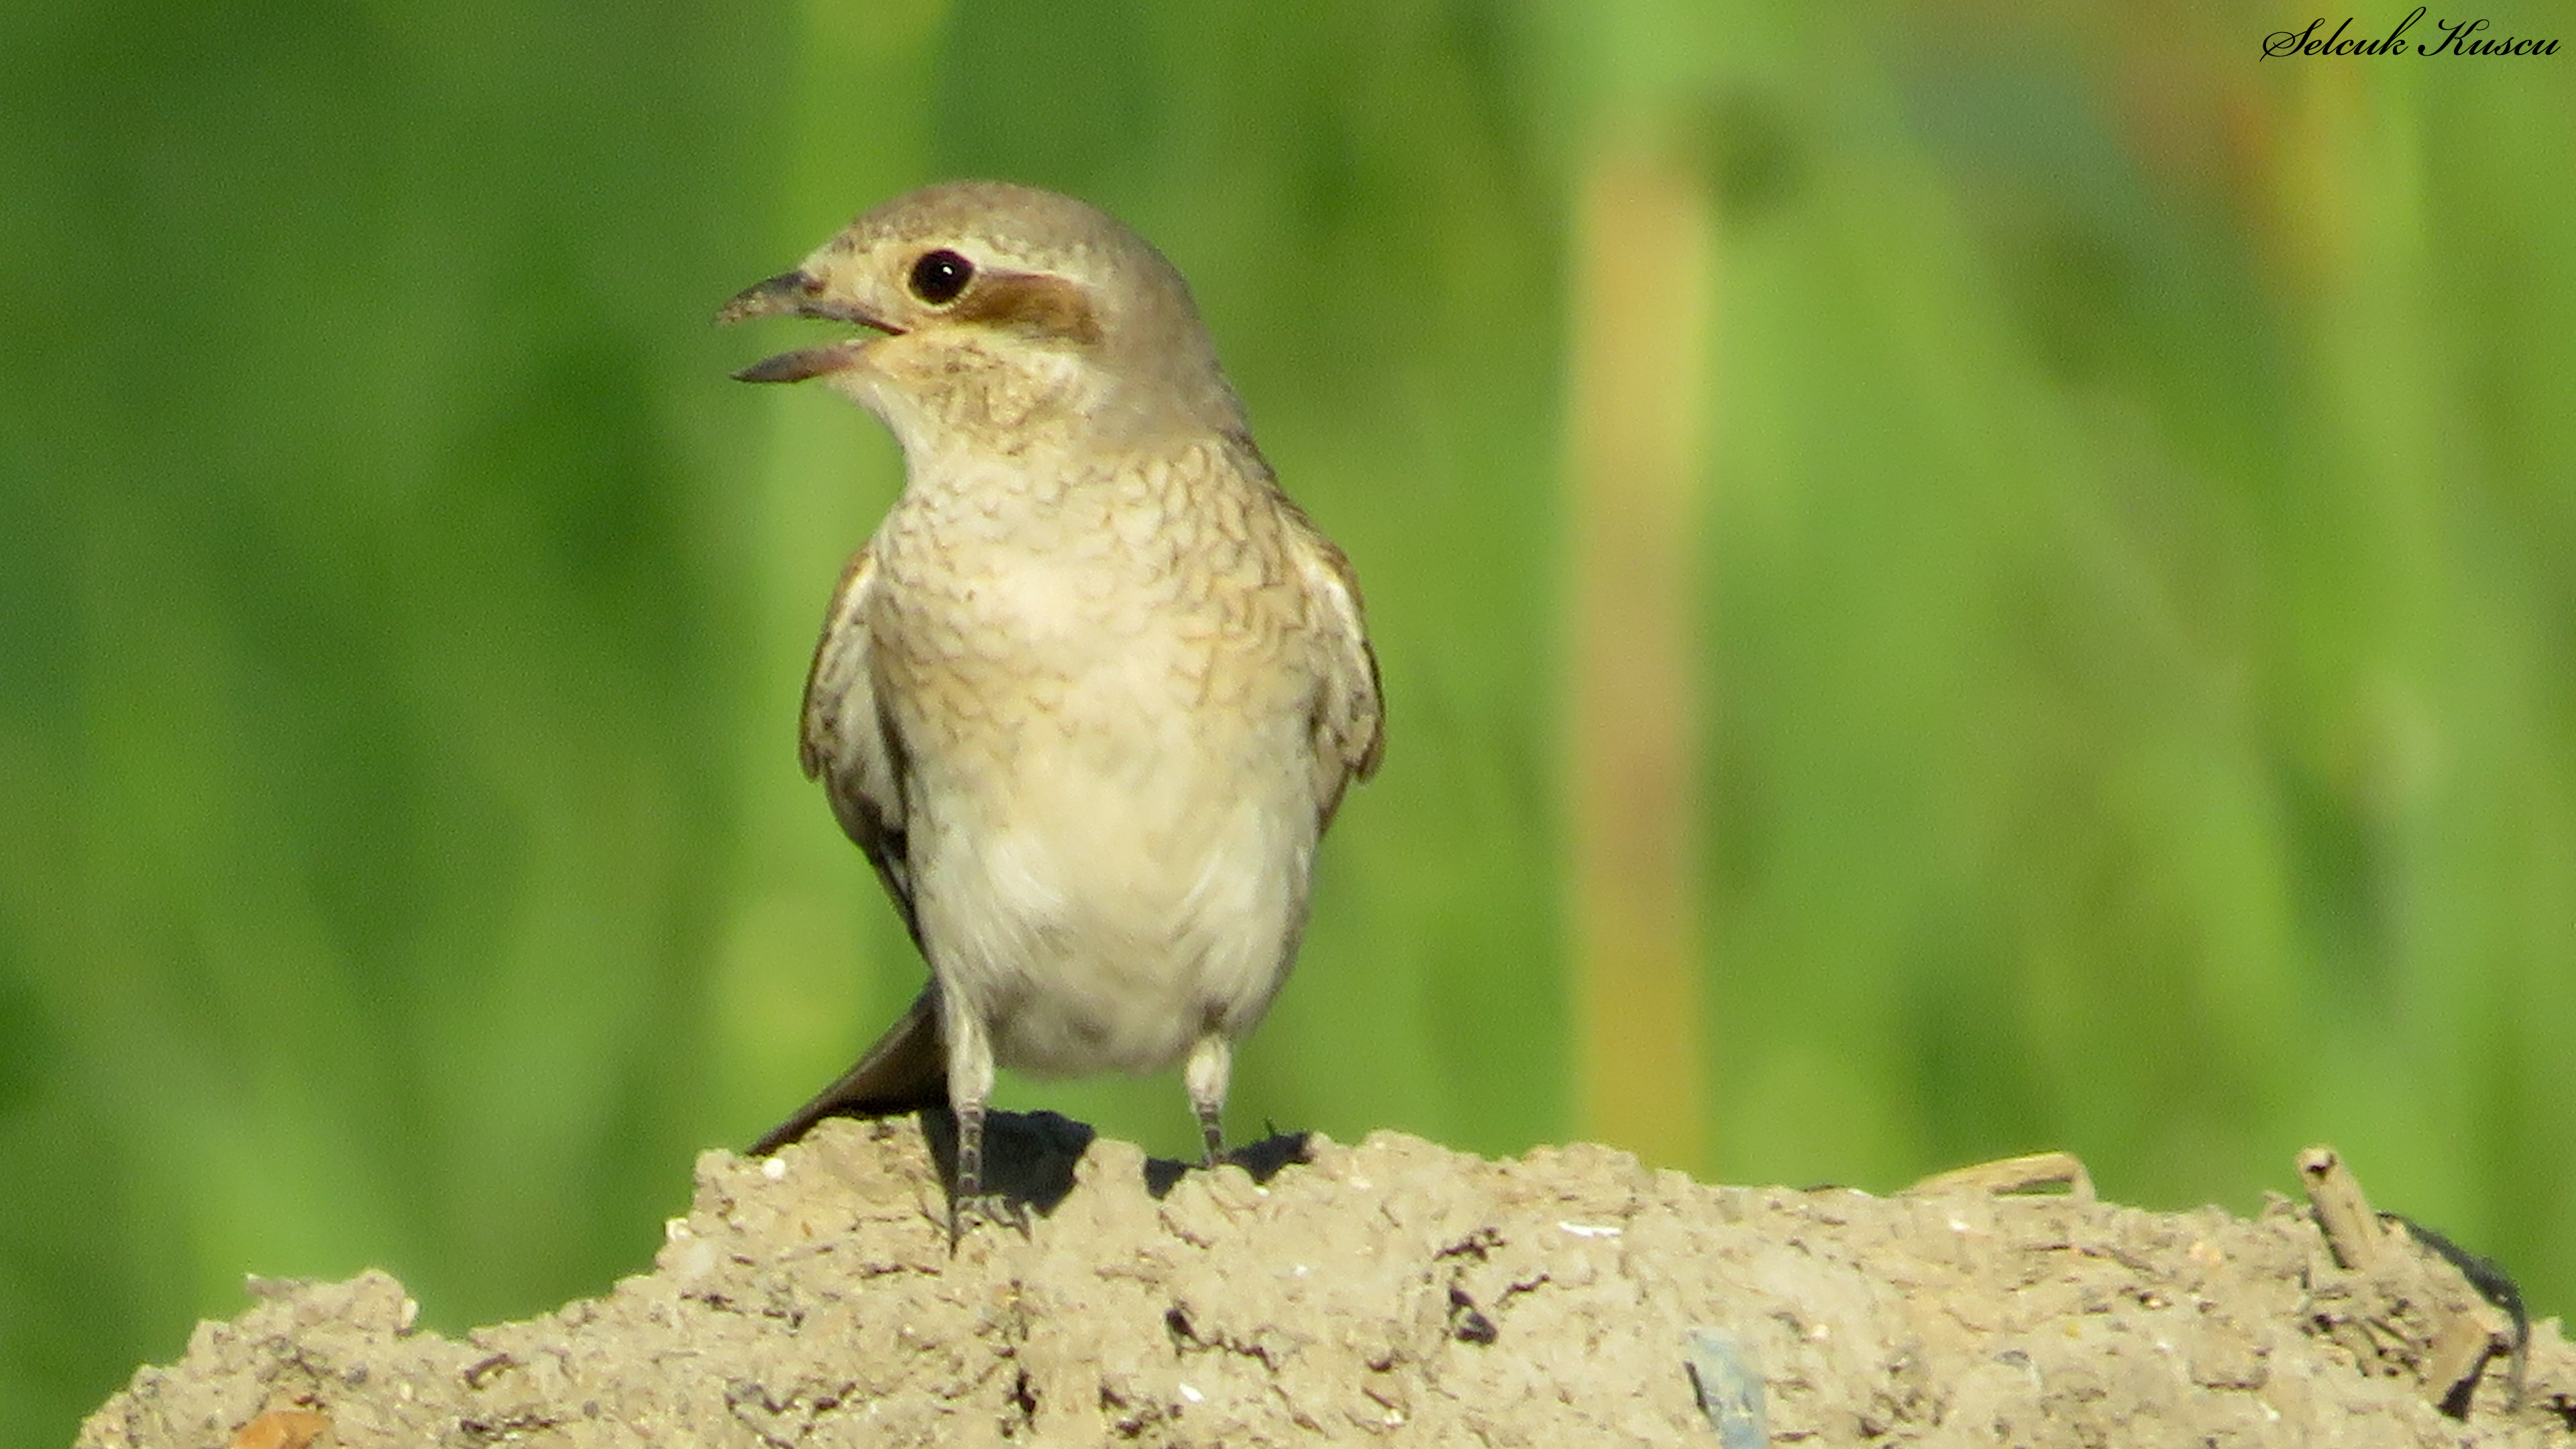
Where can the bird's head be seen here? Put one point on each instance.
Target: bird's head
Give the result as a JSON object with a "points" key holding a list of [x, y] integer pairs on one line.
{"points": [[1000, 315]]}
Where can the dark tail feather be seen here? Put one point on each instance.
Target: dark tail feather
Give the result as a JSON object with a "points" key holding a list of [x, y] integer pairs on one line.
{"points": [[905, 1071]]}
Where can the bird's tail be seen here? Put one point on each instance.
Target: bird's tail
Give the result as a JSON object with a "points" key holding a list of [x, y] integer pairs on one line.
{"points": [[905, 1071]]}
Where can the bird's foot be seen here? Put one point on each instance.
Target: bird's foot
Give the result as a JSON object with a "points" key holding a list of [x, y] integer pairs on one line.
{"points": [[999, 1209]]}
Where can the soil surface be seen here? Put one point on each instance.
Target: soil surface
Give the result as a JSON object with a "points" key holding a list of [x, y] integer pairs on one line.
{"points": [[1394, 1292]]}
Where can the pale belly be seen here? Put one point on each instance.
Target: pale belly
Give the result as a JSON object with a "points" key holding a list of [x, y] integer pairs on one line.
{"points": [[1114, 892]]}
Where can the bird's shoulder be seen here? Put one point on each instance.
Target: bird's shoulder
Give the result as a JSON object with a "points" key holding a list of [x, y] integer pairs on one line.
{"points": [[838, 682], [1350, 705]]}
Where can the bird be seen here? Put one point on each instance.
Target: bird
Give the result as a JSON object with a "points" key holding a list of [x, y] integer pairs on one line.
{"points": [[1093, 690]]}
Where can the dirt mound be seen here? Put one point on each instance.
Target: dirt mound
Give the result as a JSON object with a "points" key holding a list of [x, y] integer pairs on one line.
{"points": [[1395, 1292]]}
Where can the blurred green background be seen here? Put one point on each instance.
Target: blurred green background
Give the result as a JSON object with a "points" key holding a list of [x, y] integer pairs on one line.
{"points": [[2136, 616]]}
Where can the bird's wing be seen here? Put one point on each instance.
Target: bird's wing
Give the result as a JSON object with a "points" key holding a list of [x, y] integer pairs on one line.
{"points": [[849, 741], [849, 744], [1350, 716]]}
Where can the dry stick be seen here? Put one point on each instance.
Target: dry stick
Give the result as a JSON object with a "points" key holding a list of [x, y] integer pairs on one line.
{"points": [[2013, 1175], [2352, 1229], [2468, 1330]]}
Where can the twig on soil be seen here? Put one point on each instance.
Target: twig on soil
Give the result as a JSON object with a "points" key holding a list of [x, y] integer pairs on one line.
{"points": [[2012, 1175]]}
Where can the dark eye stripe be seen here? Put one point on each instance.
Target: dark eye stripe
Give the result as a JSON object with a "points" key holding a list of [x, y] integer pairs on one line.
{"points": [[1048, 306], [939, 276]]}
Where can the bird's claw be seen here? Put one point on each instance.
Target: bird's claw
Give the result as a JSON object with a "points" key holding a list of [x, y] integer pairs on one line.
{"points": [[1002, 1211]]}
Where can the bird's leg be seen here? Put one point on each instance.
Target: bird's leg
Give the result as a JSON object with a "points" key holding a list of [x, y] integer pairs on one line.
{"points": [[970, 1087], [1211, 1064], [970, 1170]]}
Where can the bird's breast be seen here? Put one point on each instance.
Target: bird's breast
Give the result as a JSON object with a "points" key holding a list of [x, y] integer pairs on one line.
{"points": [[1131, 612]]}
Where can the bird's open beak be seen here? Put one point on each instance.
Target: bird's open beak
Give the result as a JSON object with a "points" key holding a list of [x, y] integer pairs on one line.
{"points": [[800, 294]]}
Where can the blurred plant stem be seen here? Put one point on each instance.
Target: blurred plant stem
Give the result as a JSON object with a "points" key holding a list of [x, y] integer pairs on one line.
{"points": [[1641, 308]]}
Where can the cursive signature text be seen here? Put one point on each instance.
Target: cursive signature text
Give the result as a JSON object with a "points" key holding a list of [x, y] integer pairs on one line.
{"points": [[2459, 37]]}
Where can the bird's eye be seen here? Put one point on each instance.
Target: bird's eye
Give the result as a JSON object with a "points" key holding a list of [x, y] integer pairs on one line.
{"points": [[939, 276]]}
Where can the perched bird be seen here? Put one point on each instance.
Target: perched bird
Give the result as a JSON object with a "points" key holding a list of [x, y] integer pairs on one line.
{"points": [[1091, 694]]}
